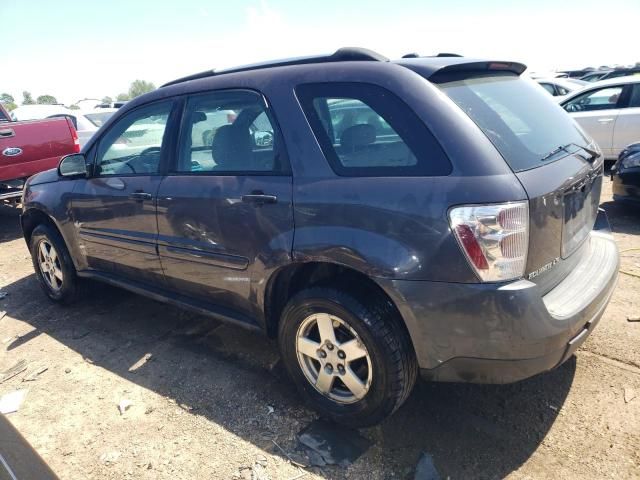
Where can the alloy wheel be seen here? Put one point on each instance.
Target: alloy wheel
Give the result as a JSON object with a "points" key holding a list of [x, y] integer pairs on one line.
{"points": [[333, 358], [49, 264]]}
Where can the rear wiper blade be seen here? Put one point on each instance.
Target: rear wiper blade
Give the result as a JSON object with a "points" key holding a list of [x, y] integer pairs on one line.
{"points": [[593, 154], [564, 148]]}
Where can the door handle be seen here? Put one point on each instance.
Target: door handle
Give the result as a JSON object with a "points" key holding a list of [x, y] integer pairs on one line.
{"points": [[259, 198], [140, 196], [605, 120], [7, 132]]}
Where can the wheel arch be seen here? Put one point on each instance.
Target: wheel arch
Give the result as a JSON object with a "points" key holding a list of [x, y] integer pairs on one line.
{"points": [[293, 278], [32, 217]]}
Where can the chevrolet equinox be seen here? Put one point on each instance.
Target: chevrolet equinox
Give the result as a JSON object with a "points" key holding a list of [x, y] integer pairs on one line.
{"points": [[433, 215]]}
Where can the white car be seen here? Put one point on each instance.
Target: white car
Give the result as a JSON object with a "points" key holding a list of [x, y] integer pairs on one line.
{"points": [[609, 111], [558, 87], [86, 122]]}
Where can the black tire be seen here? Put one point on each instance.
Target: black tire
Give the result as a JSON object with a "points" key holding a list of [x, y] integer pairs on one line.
{"points": [[69, 290], [394, 366]]}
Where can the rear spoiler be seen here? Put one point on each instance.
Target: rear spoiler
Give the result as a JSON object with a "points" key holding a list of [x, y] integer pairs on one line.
{"points": [[440, 69]]}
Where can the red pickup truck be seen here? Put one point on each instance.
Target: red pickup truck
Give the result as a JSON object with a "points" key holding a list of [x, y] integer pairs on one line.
{"points": [[29, 147]]}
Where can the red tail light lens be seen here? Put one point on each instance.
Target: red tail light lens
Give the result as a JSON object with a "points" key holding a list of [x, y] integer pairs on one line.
{"points": [[494, 238], [472, 247], [74, 136]]}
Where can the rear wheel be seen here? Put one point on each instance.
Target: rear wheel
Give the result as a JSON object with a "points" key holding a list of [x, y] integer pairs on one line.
{"points": [[352, 361], [53, 265]]}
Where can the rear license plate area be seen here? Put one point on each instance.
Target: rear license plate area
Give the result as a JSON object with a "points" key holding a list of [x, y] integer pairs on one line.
{"points": [[580, 210]]}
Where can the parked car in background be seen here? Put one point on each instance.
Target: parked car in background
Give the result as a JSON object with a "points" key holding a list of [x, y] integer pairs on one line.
{"points": [[37, 112], [30, 147], [594, 76], [577, 81], [116, 104], [625, 175], [99, 116], [609, 111], [358, 234], [577, 73], [621, 72], [88, 103], [86, 123], [558, 87]]}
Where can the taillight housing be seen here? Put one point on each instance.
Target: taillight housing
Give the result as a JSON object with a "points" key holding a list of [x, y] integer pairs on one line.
{"points": [[494, 238], [74, 135]]}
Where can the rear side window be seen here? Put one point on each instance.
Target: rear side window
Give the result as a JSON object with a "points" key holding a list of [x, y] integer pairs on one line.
{"points": [[518, 116], [365, 130], [230, 132]]}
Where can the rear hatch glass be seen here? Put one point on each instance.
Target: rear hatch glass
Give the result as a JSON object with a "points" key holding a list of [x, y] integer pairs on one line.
{"points": [[518, 116], [546, 150]]}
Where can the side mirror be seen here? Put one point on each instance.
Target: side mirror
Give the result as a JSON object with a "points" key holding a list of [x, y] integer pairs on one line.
{"points": [[263, 138], [73, 165]]}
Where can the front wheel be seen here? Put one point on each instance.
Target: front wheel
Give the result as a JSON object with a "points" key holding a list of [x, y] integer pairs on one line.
{"points": [[53, 265], [352, 361]]}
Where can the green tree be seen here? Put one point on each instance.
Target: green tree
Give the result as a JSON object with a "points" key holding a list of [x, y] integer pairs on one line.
{"points": [[46, 100], [27, 99], [139, 87], [74, 107], [107, 99], [8, 101], [122, 97]]}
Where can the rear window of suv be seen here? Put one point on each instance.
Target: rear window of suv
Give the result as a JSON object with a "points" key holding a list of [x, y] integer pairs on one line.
{"points": [[365, 130], [519, 117]]}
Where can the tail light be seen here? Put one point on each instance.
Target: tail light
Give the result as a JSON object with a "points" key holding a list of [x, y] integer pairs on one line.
{"points": [[494, 238], [74, 135]]}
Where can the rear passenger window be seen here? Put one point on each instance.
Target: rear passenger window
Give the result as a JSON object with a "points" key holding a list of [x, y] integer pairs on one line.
{"points": [[365, 130], [229, 132]]}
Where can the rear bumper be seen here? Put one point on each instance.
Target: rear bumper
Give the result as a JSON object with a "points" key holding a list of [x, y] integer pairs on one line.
{"points": [[501, 333]]}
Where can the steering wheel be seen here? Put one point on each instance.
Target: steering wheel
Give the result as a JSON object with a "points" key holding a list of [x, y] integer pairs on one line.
{"points": [[574, 107], [148, 151]]}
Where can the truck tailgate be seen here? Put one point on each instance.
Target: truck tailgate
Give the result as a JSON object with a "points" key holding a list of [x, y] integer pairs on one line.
{"points": [[29, 147]]}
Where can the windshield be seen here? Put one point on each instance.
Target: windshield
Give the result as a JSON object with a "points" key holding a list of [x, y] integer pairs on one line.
{"points": [[98, 119], [518, 116]]}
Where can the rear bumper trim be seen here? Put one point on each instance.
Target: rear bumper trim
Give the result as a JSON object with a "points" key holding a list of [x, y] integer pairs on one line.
{"points": [[489, 333]]}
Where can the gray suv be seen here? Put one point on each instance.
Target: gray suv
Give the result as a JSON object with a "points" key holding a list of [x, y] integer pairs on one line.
{"points": [[379, 218]]}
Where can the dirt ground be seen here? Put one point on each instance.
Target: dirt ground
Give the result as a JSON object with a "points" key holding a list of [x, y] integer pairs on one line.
{"points": [[208, 404]]}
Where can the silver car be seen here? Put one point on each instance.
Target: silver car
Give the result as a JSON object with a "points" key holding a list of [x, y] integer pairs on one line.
{"points": [[609, 111]]}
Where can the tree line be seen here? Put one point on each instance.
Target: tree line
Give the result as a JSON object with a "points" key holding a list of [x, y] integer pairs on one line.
{"points": [[137, 88]]}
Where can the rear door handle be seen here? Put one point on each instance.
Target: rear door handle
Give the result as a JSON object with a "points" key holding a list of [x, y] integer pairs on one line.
{"points": [[140, 196], [7, 132], [259, 198], [605, 120]]}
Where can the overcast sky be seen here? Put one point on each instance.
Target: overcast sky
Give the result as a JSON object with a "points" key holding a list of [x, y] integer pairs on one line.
{"points": [[74, 49]]}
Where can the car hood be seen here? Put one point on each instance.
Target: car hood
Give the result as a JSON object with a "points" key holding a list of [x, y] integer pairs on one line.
{"points": [[48, 176]]}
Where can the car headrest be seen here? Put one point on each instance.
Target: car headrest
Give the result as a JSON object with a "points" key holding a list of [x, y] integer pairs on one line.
{"points": [[197, 117], [358, 136], [231, 147]]}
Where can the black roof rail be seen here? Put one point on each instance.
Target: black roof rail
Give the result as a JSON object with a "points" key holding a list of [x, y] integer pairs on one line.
{"points": [[417, 55], [345, 54]]}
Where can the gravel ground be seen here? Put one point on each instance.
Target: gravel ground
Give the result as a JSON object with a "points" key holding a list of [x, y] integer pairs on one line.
{"points": [[209, 401]]}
